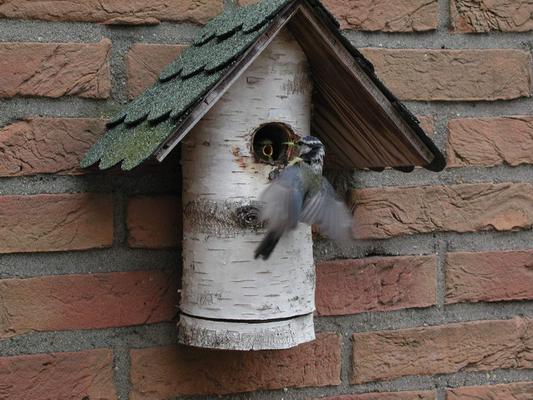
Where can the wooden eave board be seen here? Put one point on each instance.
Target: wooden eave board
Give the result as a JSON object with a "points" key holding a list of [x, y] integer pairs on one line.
{"points": [[351, 114]]}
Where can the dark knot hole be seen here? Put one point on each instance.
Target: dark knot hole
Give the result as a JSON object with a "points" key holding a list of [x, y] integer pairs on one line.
{"points": [[248, 216]]}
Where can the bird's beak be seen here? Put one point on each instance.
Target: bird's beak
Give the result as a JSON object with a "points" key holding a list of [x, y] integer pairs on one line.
{"points": [[295, 160]]}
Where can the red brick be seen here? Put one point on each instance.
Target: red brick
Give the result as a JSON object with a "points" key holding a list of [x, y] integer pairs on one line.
{"points": [[154, 222], [144, 62], [386, 16], [47, 145], [492, 276], [87, 301], [165, 372], [375, 284], [495, 15], [387, 212], [55, 222], [62, 376], [472, 346], [196, 11], [490, 141], [454, 75], [382, 15], [513, 391], [386, 396], [55, 69]]}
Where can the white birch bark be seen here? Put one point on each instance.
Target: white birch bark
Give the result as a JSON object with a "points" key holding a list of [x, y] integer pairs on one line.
{"points": [[241, 303]]}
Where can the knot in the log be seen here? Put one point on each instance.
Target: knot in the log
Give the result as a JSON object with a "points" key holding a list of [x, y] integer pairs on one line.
{"points": [[248, 216], [221, 217]]}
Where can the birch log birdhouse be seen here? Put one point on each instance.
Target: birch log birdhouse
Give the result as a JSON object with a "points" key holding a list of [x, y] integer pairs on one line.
{"points": [[255, 79], [226, 161]]}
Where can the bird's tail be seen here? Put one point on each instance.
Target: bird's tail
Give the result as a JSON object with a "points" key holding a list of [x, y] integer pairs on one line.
{"points": [[267, 245]]}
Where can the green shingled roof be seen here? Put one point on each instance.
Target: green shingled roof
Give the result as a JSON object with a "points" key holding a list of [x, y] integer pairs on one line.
{"points": [[144, 124], [150, 122]]}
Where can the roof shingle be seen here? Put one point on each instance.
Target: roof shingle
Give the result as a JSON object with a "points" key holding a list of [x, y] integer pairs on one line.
{"points": [[141, 126]]}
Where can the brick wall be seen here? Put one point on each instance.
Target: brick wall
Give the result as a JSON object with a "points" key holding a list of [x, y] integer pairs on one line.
{"points": [[434, 301]]}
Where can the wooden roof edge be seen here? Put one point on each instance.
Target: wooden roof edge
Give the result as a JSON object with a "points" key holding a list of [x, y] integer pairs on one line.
{"points": [[439, 161], [204, 104]]}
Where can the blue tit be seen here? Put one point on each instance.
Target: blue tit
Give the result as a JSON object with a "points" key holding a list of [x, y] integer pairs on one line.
{"points": [[301, 194]]}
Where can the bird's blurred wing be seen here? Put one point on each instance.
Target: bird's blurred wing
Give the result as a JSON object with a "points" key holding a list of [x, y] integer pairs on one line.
{"points": [[329, 213], [283, 200]]}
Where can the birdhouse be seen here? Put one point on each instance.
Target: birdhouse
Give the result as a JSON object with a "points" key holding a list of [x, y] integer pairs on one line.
{"points": [[255, 79]]}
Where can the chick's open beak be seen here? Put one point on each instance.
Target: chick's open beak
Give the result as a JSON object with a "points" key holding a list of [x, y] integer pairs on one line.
{"points": [[268, 150]]}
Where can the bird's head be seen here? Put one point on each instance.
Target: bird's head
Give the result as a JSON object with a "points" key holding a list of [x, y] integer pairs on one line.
{"points": [[311, 151], [267, 148]]}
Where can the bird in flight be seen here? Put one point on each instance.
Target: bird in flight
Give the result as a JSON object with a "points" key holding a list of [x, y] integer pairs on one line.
{"points": [[301, 194]]}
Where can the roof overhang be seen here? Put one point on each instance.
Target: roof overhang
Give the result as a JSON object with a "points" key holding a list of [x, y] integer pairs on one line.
{"points": [[229, 78], [356, 116]]}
